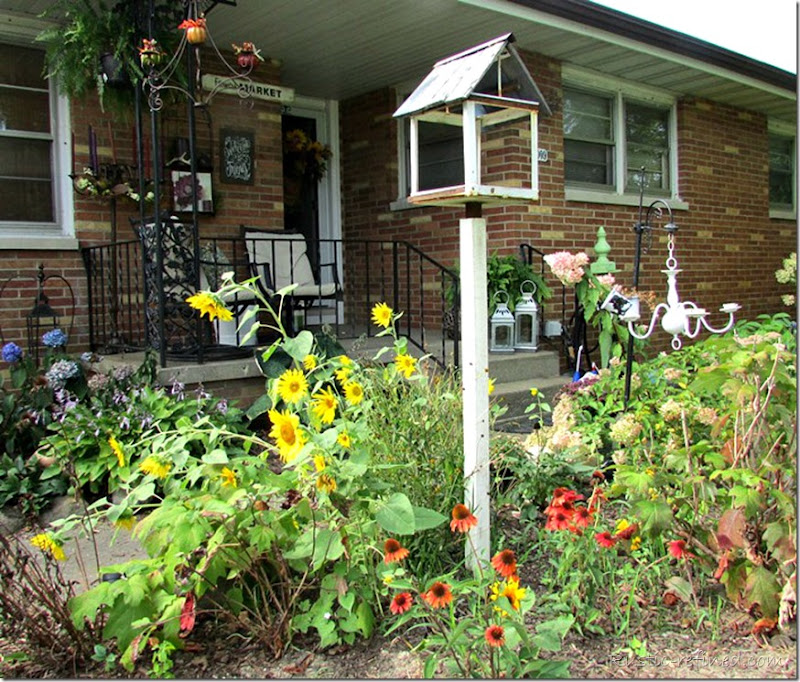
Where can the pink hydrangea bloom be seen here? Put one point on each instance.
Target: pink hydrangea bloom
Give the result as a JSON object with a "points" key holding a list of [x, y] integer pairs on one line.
{"points": [[567, 267]]}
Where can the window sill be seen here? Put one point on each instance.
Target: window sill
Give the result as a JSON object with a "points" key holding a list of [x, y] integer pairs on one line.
{"points": [[776, 214], [401, 205], [595, 197], [10, 242]]}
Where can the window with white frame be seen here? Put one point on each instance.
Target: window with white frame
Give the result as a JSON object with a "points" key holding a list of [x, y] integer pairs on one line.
{"points": [[30, 179], [610, 136], [782, 165]]}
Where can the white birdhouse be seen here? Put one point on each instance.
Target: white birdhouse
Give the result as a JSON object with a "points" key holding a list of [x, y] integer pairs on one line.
{"points": [[480, 90]]}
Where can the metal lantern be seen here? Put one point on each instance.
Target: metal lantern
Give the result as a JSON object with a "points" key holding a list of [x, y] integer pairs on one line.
{"points": [[526, 319], [501, 339]]}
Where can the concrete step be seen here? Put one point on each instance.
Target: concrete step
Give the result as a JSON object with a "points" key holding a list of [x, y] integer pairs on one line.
{"points": [[522, 365]]}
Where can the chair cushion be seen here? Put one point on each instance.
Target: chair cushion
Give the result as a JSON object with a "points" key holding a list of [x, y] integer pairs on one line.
{"points": [[285, 253]]}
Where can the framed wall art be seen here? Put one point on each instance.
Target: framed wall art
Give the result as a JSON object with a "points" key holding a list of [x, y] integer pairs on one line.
{"points": [[237, 154], [182, 192]]}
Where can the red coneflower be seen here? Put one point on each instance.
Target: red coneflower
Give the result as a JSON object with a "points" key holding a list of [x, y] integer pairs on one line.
{"points": [[401, 603], [582, 517], [463, 519], [605, 539], [505, 563], [561, 506], [677, 548], [393, 551], [559, 520], [439, 595], [495, 636]]}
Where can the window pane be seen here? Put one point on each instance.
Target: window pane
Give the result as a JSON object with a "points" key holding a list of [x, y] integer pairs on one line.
{"points": [[26, 200], [24, 158], [441, 155], [587, 117], [781, 171], [24, 110], [587, 162], [22, 66], [647, 135]]}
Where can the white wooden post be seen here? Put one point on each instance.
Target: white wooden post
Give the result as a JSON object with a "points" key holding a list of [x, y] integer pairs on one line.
{"points": [[475, 383]]}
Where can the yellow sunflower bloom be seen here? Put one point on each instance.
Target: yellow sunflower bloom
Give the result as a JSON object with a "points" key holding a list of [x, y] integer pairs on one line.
{"points": [[326, 483], [155, 467], [211, 305], [292, 386], [344, 439], [353, 392], [116, 448], [491, 385], [405, 364], [509, 589], [286, 432], [47, 544], [346, 369], [323, 405], [310, 362], [382, 315], [228, 477], [319, 462]]}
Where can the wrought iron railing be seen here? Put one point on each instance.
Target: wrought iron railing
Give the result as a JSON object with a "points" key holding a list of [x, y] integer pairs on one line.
{"points": [[359, 272]]}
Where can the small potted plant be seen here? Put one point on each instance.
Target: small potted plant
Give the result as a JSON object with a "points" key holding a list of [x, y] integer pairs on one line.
{"points": [[196, 32], [150, 54], [247, 55]]}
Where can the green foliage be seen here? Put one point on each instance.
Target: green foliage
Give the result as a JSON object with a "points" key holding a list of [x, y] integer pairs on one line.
{"points": [[84, 30], [705, 454]]}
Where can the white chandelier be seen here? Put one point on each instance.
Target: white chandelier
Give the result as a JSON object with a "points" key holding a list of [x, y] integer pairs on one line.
{"points": [[679, 317]]}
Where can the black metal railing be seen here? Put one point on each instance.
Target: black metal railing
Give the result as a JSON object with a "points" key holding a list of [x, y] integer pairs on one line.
{"points": [[352, 277]]}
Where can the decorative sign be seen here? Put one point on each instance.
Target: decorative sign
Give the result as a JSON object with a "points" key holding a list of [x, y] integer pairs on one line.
{"points": [[182, 192], [236, 153], [544, 156], [244, 87]]}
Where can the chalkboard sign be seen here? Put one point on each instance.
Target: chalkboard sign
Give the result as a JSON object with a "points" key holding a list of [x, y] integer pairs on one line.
{"points": [[237, 151]]}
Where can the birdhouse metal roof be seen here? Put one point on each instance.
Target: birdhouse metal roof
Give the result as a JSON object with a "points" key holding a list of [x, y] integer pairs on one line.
{"points": [[456, 78]]}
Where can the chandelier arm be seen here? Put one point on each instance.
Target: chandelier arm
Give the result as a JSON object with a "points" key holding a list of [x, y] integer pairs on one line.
{"points": [[724, 329], [653, 320], [693, 334]]}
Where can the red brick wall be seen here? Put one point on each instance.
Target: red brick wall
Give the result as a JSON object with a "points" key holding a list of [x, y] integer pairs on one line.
{"points": [[727, 245]]}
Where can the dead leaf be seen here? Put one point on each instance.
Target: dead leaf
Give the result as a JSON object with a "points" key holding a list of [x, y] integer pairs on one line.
{"points": [[301, 667], [731, 529], [763, 626], [187, 615]]}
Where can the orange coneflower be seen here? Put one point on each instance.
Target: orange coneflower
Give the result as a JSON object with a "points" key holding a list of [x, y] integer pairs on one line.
{"points": [[463, 519], [605, 539], [495, 635], [582, 517], [401, 603], [439, 595], [505, 563], [677, 548], [393, 551], [559, 520], [562, 495]]}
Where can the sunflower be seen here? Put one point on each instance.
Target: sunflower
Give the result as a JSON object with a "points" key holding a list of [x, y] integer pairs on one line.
{"points": [[405, 364], [47, 544], [505, 563], [393, 551], [463, 519], [211, 305], [353, 392], [155, 466], [513, 592], [319, 462], [401, 603], [292, 386], [228, 477], [288, 437], [344, 439], [327, 483], [116, 448], [439, 595], [310, 362], [495, 636], [346, 369], [491, 385], [382, 315], [323, 405]]}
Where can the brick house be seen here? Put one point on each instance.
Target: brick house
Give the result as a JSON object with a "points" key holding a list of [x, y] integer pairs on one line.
{"points": [[715, 131]]}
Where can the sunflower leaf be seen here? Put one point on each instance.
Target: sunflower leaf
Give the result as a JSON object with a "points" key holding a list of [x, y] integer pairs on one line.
{"points": [[397, 515]]}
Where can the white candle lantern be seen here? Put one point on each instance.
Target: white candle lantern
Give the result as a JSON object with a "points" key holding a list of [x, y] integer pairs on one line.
{"points": [[526, 319], [501, 326]]}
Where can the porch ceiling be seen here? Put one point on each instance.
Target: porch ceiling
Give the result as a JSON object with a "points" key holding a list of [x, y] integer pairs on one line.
{"points": [[338, 49]]}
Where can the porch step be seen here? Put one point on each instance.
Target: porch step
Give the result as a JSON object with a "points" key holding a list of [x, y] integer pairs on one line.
{"points": [[522, 365]]}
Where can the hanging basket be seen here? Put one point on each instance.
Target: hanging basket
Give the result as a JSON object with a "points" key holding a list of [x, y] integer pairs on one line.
{"points": [[113, 71]]}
